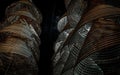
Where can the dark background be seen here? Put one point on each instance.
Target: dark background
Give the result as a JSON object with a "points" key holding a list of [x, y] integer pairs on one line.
{"points": [[51, 11]]}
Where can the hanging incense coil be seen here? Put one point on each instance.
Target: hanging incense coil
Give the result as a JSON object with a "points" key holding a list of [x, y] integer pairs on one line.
{"points": [[102, 44], [19, 40], [65, 58], [87, 62], [69, 13], [107, 59]]}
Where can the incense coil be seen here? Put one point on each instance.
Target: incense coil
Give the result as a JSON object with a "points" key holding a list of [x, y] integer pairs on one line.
{"points": [[67, 54], [19, 40], [103, 29], [106, 42]]}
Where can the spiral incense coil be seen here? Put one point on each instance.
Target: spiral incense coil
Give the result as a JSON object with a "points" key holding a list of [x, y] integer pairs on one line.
{"points": [[102, 44], [65, 24], [19, 40], [65, 58], [87, 53], [73, 11]]}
